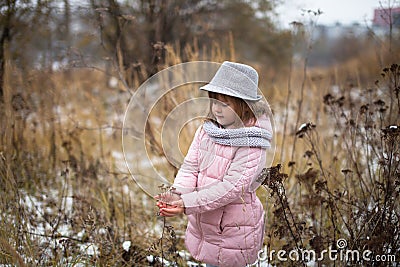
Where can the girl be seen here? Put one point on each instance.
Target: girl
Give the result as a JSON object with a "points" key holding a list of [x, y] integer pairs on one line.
{"points": [[215, 186]]}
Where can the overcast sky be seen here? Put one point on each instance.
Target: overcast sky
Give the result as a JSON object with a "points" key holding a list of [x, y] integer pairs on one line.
{"points": [[343, 11]]}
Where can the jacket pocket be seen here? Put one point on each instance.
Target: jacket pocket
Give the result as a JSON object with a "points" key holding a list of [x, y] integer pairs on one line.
{"points": [[220, 227]]}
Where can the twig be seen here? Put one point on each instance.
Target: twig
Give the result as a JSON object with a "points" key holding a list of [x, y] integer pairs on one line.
{"points": [[57, 235]]}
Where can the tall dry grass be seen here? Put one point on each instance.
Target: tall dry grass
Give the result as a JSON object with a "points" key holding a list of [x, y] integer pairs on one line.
{"points": [[64, 200]]}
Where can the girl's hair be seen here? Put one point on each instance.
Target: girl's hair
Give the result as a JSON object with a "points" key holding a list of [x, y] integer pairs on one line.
{"points": [[241, 107]]}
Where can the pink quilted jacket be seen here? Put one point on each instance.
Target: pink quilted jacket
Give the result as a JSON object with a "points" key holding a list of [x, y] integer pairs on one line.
{"points": [[225, 218]]}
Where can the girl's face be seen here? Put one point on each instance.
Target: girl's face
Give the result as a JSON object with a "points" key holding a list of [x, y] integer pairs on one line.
{"points": [[224, 113]]}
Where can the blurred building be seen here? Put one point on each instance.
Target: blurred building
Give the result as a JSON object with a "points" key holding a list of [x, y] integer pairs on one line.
{"points": [[386, 16]]}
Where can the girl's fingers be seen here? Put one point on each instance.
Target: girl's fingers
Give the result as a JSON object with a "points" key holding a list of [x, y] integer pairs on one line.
{"points": [[164, 205], [167, 212], [161, 205], [171, 211]]}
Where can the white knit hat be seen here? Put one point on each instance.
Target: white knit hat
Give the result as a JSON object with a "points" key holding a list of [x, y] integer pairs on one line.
{"points": [[235, 79]]}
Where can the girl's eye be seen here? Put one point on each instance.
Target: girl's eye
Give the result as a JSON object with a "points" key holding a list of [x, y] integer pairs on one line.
{"points": [[222, 104]]}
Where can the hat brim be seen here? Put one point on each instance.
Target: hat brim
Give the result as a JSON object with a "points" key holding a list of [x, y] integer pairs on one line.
{"points": [[227, 91]]}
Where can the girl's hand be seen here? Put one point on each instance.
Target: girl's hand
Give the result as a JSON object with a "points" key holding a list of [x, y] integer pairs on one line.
{"points": [[170, 204], [173, 209], [167, 198]]}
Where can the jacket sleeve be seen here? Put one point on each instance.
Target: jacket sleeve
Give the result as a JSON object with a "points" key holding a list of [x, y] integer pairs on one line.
{"points": [[186, 178], [247, 163]]}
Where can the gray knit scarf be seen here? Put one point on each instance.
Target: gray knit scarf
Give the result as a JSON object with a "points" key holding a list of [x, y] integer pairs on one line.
{"points": [[246, 136]]}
